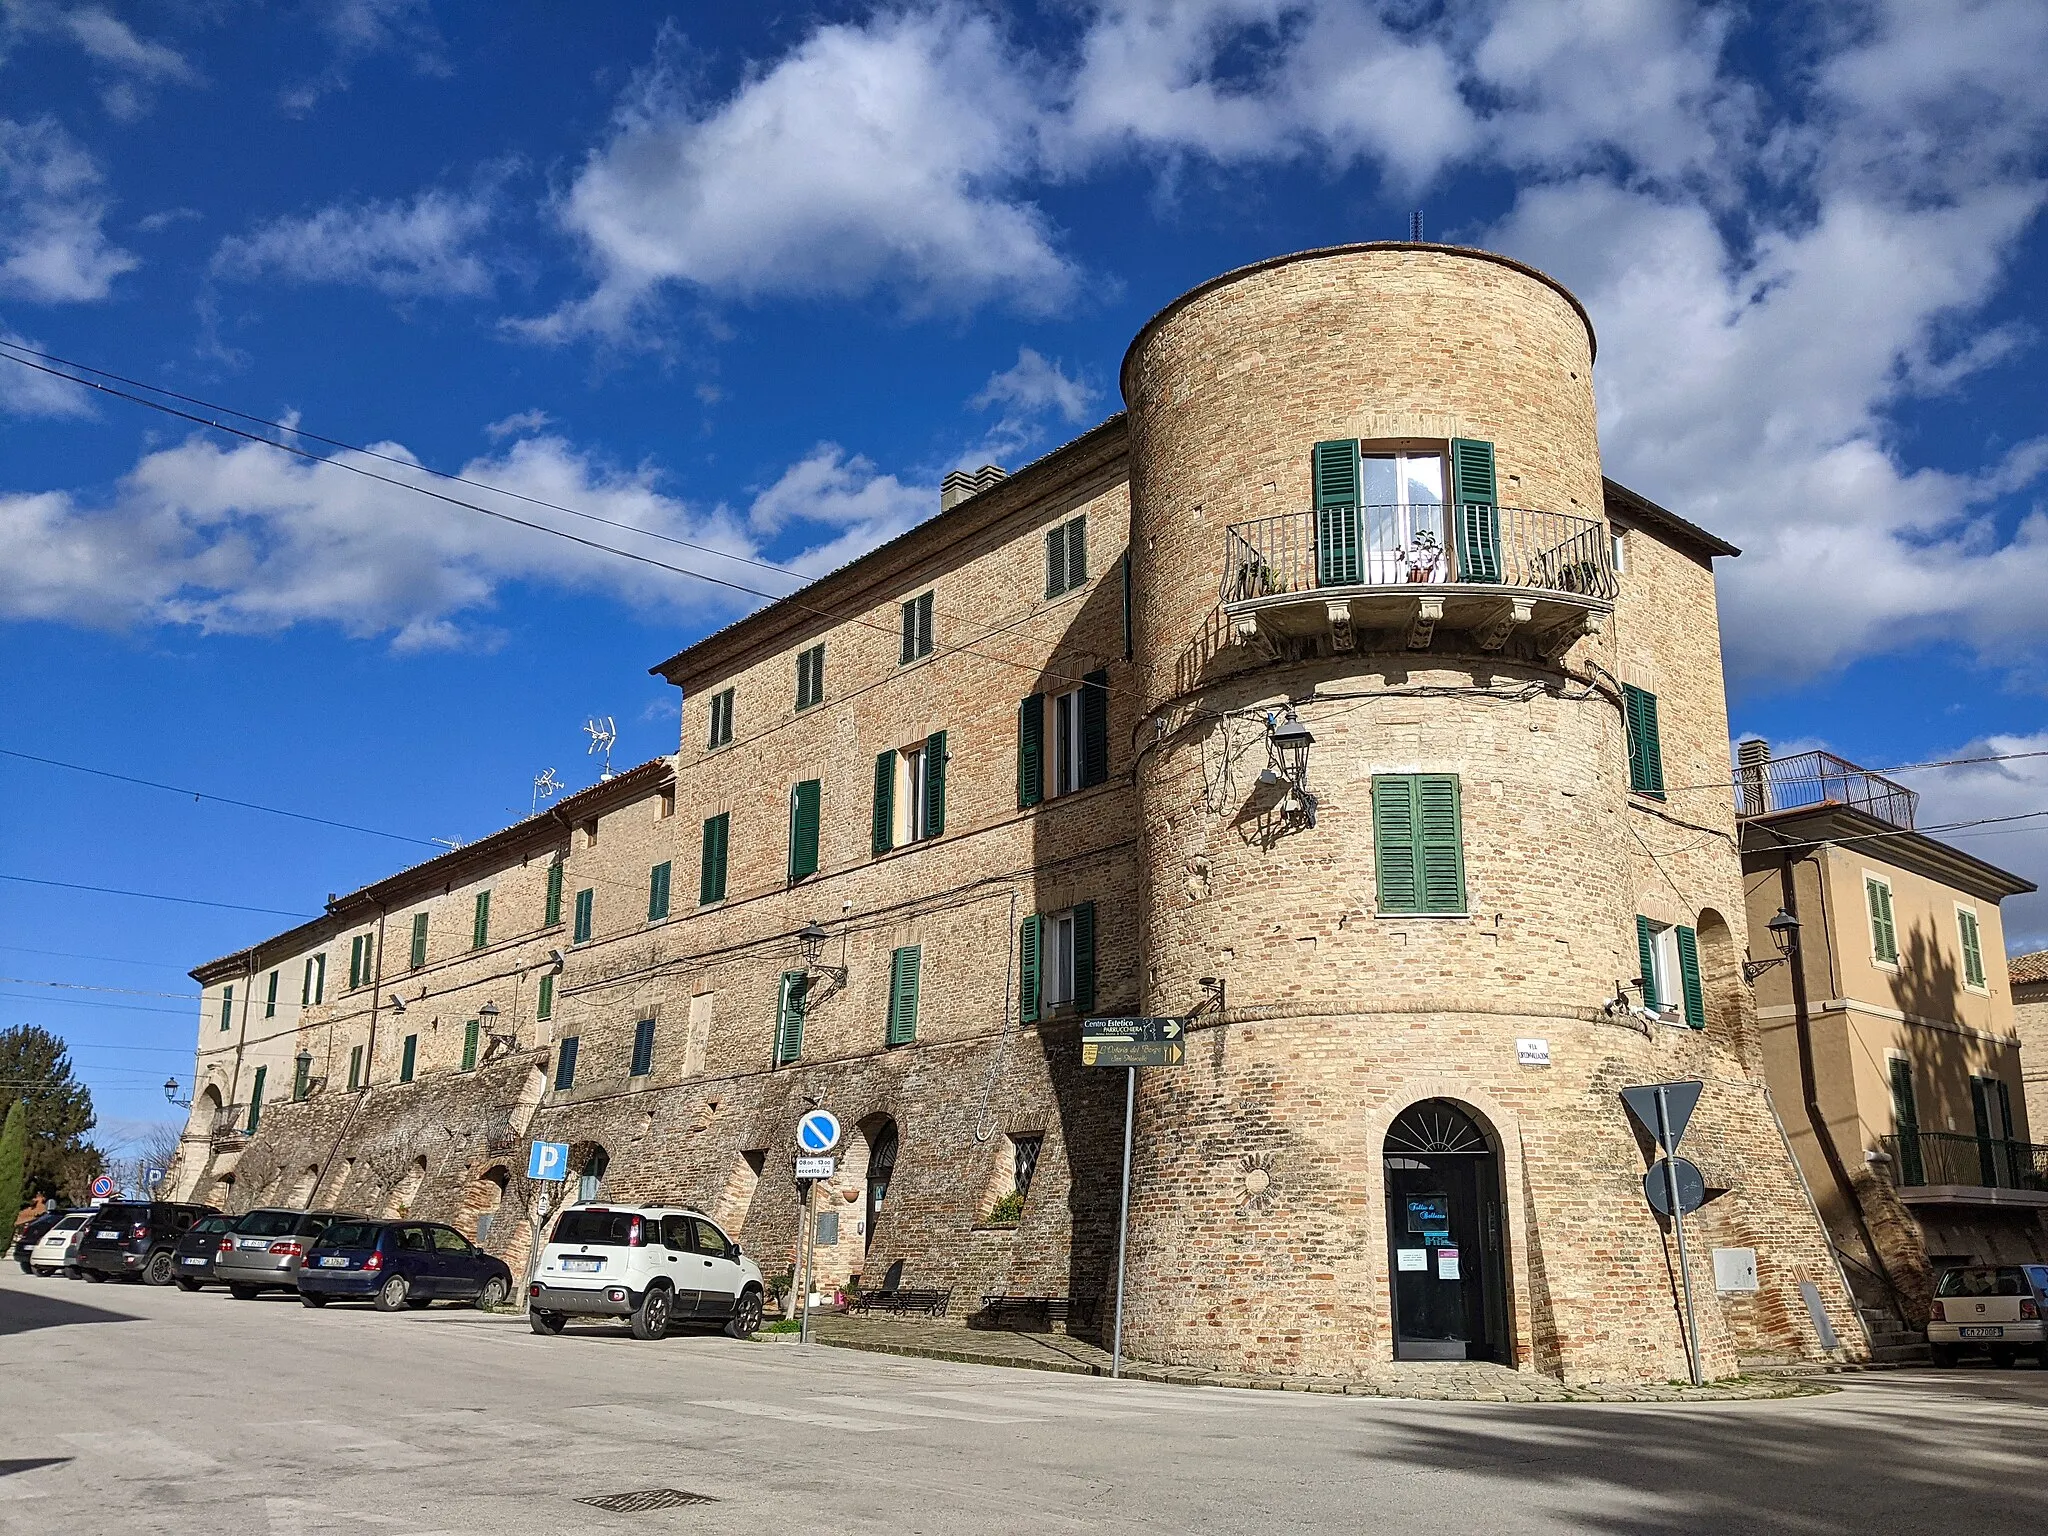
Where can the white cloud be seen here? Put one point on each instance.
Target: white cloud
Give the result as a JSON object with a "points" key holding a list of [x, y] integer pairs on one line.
{"points": [[425, 248], [26, 391], [872, 156], [1028, 396], [128, 67], [832, 489], [52, 246], [1986, 790], [359, 29], [518, 424]]}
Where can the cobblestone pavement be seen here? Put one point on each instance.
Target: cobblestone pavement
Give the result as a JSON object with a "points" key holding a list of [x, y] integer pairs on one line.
{"points": [[1474, 1381]]}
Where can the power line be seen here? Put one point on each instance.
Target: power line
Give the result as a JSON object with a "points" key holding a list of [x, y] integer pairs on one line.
{"points": [[93, 1002], [186, 901], [81, 986], [247, 805], [65, 954]]}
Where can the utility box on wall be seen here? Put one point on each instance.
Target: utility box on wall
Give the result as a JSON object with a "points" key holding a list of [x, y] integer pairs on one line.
{"points": [[1735, 1269]]}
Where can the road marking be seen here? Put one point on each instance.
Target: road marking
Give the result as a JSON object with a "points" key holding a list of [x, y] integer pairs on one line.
{"points": [[795, 1415], [143, 1450], [1023, 1399], [912, 1410], [1145, 1399]]}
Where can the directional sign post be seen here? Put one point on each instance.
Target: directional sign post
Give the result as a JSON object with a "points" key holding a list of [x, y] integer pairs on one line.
{"points": [[1664, 1110], [816, 1135], [1129, 1043]]}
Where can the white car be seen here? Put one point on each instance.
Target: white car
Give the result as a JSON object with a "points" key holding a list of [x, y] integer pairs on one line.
{"points": [[58, 1247], [2001, 1309], [652, 1264]]}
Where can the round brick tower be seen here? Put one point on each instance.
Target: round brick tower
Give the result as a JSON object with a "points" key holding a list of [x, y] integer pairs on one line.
{"points": [[1367, 498]]}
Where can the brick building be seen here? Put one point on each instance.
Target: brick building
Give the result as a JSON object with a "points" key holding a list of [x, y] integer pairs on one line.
{"points": [[1329, 698]]}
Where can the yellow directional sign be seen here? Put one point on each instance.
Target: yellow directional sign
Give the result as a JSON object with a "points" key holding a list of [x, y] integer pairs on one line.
{"points": [[1137, 1042]]}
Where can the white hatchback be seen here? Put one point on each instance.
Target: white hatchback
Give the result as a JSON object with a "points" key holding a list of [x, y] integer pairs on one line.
{"points": [[653, 1265], [58, 1247]]}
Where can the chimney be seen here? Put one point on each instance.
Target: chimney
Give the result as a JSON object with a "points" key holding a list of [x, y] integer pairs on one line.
{"points": [[960, 484], [1752, 759]]}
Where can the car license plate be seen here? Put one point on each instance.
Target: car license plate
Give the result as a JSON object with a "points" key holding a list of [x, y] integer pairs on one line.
{"points": [[192, 1261], [336, 1262], [1982, 1333], [583, 1264], [106, 1232], [254, 1244]]}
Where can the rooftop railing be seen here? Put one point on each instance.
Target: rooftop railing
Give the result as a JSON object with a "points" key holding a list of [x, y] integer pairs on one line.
{"points": [[1390, 546], [1821, 778], [1924, 1158]]}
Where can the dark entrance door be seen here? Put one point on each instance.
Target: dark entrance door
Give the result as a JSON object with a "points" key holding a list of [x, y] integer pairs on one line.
{"points": [[1444, 1236]]}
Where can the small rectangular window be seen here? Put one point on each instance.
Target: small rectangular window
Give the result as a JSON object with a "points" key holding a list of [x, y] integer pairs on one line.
{"points": [[1669, 956], [1884, 935], [1066, 743], [544, 1007], [270, 999], [1026, 1165], [320, 977], [227, 1006], [711, 867], [409, 1058], [667, 806], [480, 930], [810, 676], [553, 913], [917, 628], [256, 1099], [1972, 940], [360, 960], [657, 892], [419, 940], [306, 985], [643, 1048], [1645, 747], [789, 1016], [586, 903], [721, 719], [470, 1032], [1066, 556], [355, 1067], [905, 974], [803, 830], [1617, 543], [565, 1064], [302, 1071]]}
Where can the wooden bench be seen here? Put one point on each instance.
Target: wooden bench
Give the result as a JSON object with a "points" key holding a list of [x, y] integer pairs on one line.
{"points": [[1002, 1308], [902, 1300]]}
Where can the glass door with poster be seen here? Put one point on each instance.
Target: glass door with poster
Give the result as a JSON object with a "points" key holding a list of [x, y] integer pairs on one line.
{"points": [[1444, 1236]]}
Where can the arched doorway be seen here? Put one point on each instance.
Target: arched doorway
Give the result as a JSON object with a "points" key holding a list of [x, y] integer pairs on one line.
{"points": [[1445, 1238], [407, 1194], [881, 1169], [302, 1192], [591, 1163], [485, 1196]]}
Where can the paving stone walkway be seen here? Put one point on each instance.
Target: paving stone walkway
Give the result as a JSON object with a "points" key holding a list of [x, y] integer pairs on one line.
{"points": [[1450, 1381]]}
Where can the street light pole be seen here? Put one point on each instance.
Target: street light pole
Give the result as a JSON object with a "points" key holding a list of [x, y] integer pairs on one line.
{"points": [[1123, 1222]]}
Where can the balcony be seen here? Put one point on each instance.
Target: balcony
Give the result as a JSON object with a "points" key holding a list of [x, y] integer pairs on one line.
{"points": [[1499, 572], [1943, 1168], [230, 1128], [1812, 779]]}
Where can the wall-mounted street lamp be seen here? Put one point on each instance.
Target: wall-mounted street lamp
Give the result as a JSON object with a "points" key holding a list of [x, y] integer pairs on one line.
{"points": [[1784, 932], [1287, 744], [303, 1082], [397, 1003], [171, 1093], [810, 946]]}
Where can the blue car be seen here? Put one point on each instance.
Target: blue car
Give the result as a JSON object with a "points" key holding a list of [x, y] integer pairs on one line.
{"points": [[393, 1264]]}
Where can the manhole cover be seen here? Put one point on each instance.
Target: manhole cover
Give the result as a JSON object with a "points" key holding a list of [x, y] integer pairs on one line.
{"points": [[645, 1498]]}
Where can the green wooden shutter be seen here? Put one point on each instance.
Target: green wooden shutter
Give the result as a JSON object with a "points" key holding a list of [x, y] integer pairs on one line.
{"points": [[554, 909], [643, 1049], [1694, 995], [1339, 559], [910, 632], [1477, 509], [1906, 1120], [904, 968], [1055, 561], [883, 837], [1028, 966], [586, 904], [1394, 842], [1973, 949], [1095, 728], [306, 985], [1645, 743], [1646, 955], [302, 1071], [1440, 842], [657, 891], [1980, 1106], [355, 962], [565, 1064], [470, 1031], [711, 863], [1077, 550], [419, 940], [1031, 751], [1084, 957], [355, 1067], [270, 1002], [411, 1058], [545, 1008], [1884, 937], [481, 934], [256, 1099], [320, 977], [803, 830], [935, 784], [789, 1023]]}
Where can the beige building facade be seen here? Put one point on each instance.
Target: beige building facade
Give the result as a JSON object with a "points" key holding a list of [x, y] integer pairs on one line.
{"points": [[1329, 700]]}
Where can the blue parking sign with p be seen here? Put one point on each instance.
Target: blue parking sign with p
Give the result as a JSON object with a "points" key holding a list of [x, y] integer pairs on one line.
{"points": [[549, 1160]]}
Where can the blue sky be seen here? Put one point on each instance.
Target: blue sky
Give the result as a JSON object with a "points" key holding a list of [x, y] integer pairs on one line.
{"points": [[757, 283]]}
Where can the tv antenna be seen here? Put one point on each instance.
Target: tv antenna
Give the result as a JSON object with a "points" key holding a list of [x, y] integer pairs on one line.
{"points": [[602, 734], [1415, 227], [545, 787]]}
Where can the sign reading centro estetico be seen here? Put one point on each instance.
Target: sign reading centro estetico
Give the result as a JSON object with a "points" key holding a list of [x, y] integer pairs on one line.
{"points": [[1133, 1042]]}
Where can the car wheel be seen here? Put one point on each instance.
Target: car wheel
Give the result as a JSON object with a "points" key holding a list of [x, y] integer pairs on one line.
{"points": [[492, 1295], [44, 1273], [161, 1269], [546, 1322], [90, 1276], [391, 1294], [1943, 1355], [651, 1317], [244, 1292], [308, 1299], [746, 1314]]}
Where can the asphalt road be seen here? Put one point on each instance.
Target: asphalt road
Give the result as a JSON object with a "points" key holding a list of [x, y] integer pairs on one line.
{"points": [[129, 1409]]}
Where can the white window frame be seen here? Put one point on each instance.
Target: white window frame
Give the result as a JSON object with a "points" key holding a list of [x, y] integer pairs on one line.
{"points": [[1666, 973], [1056, 967], [1872, 877], [1618, 548], [1981, 988], [912, 785], [1068, 756]]}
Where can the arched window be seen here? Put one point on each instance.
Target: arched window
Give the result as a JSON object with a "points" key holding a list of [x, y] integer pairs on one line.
{"points": [[485, 1196], [590, 1177], [881, 1169]]}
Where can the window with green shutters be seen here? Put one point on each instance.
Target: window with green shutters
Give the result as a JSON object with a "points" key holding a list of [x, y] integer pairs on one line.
{"points": [[1692, 995], [302, 1071], [789, 1016], [810, 676], [1056, 962], [883, 830], [544, 1005], [408, 1058], [419, 940], [1030, 966], [355, 1067], [1645, 747], [361, 958], [586, 906], [643, 1049], [1418, 843], [314, 988], [904, 968], [1906, 1122], [721, 719], [711, 863], [657, 892], [1646, 957], [470, 1033], [917, 628], [480, 929], [1476, 514], [1031, 751], [256, 1099], [227, 1006], [1670, 959], [1972, 941], [1884, 934], [553, 914], [1066, 556], [1339, 553], [803, 830], [270, 999], [565, 1064]]}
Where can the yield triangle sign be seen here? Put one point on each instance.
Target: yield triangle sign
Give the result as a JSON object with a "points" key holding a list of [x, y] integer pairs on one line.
{"points": [[1680, 1099]]}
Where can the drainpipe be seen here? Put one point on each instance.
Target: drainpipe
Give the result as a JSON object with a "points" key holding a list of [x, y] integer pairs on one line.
{"points": [[1809, 1080], [376, 992]]}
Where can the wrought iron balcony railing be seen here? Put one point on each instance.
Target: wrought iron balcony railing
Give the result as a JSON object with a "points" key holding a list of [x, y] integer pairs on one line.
{"points": [[1821, 778], [1926, 1158], [1388, 546]]}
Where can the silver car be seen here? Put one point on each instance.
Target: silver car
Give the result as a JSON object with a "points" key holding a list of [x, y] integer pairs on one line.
{"points": [[263, 1250]]}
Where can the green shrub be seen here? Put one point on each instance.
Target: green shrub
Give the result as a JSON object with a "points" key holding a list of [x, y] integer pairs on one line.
{"points": [[1008, 1211]]}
